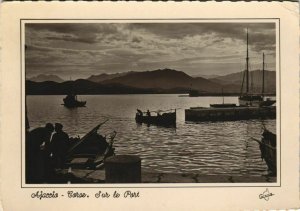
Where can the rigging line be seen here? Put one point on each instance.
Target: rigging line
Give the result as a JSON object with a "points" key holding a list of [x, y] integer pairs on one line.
{"points": [[251, 79], [243, 82]]}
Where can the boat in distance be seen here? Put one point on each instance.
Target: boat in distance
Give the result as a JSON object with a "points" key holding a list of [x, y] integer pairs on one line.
{"points": [[70, 101], [167, 119]]}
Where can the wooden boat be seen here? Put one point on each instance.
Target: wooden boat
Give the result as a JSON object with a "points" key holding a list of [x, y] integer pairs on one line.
{"points": [[164, 119], [70, 101], [90, 151], [267, 102], [267, 147], [252, 99]]}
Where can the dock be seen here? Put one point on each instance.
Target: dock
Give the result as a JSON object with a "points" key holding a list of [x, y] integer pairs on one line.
{"points": [[93, 177], [229, 113], [127, 169]]}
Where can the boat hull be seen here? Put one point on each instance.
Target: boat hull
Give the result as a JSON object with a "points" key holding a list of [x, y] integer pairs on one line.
{"points": [[166, 119], [90, 151], [74, 104], [268, 151], [255, 100]]}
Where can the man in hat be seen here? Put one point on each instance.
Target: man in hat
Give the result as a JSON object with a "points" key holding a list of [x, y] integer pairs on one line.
{"points": [[59, 145], [37, 139]]}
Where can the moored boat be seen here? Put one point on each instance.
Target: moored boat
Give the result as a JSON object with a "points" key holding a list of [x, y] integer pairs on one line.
{"points": [[253, 99], [267, 147], [164, 119], [91, 150]]}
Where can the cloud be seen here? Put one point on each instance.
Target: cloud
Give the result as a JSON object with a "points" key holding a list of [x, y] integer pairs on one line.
{"points": [[257, 31], [93, 48], [75, 32]]}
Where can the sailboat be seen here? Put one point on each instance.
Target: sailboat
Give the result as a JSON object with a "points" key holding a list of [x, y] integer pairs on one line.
{"points": [[248, 99], [70, 101]]}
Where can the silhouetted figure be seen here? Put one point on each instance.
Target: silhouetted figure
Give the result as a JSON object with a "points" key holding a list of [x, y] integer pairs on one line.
{"points": [[59, 146], [148, 113], [37, 150]]}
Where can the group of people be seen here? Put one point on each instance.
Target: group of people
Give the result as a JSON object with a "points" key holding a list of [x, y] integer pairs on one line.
{"points": [[141, 113], [148, 113], [46, 149]]}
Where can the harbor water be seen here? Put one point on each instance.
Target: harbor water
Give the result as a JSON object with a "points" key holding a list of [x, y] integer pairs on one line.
{"points": [[208, 148]]}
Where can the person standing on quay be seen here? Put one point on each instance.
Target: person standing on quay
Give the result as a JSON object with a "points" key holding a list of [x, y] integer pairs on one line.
{"points": [[37, 149], [59, 146]]}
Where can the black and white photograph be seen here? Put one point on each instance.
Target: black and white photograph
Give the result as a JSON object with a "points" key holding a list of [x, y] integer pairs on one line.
{"points": [[171, 101], [149, 105]]}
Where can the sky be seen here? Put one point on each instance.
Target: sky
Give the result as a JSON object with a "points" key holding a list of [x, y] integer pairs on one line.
{"points": [[79, 50]]}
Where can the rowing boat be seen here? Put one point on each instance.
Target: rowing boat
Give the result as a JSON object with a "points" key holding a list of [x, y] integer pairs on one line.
{"points": [[167, 119], [267, 146], [91, 150], [268, 150]]}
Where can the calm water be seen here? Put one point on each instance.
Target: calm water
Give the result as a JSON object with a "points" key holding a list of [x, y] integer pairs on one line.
{"points": [[210, 148]]}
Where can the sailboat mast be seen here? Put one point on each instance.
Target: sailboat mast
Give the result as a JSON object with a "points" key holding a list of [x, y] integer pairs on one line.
{"points": [[247, 66], [263, 75]]}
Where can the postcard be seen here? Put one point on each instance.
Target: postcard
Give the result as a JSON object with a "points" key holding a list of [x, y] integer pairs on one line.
{"points": [[150, 105]]}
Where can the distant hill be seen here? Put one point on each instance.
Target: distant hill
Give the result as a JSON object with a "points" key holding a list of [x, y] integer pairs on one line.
{"points": [[205, 76], [232, 82], [164, 79], [156, 81], [45, 77], [105, 76], [83, 86]]}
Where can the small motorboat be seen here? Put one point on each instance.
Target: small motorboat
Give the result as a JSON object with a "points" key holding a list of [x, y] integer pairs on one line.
{"points": [[161, 118]]}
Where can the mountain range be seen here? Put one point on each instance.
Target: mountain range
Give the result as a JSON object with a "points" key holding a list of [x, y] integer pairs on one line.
{"points": [[233, 81], [45, 77], [156, 81]]}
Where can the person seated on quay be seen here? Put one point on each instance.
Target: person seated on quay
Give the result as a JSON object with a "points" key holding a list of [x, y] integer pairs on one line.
{"points": [[59, 146], [36, 152]]}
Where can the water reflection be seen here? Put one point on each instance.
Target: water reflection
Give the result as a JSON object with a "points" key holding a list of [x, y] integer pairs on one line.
{"points": [[210, 148]]}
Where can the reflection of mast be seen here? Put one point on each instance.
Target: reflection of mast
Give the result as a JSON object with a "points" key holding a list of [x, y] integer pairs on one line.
{"points": [[247, 67]]}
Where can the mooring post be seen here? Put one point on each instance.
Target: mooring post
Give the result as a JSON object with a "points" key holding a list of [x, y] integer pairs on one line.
{"points": [[123, 169]]}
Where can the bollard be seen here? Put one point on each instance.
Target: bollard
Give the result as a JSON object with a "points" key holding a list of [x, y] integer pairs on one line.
{"points": [[123, 169]]}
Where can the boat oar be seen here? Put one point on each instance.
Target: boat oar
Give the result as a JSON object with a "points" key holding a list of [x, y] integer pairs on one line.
{"points": [[258, 141], [99, 161], [95, 129]]}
